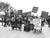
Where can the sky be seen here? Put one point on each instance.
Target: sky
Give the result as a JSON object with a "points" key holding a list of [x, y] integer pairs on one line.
{"points": [[27, 5]]}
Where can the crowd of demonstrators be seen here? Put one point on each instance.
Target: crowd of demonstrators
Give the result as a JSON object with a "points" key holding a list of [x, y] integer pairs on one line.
{"points": [[21, 22], [24, 22], [28, 21]]}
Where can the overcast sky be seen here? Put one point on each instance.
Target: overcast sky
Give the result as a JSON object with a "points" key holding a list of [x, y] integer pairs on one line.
{"points": [[27, 5]]}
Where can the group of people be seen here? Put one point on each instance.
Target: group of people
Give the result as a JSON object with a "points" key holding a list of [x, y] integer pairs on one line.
{"points": [[24, 23], [28, 21]]}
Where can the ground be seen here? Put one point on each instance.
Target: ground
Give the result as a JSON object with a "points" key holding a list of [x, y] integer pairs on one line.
{"points": [[6, 32]]}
